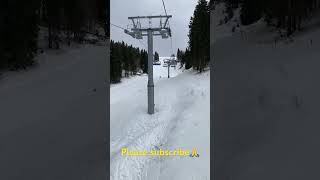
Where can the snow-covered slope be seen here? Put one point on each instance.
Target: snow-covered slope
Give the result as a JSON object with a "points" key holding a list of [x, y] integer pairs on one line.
{"points": [[53, 117], [181, 120], [266, 117], [220, 28]]}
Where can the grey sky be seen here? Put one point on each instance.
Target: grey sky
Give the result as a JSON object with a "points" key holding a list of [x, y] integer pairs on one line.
{"points": [[181, 10]]}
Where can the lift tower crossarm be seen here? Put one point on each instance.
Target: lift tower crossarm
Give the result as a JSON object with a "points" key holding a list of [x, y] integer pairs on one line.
{"points": [[147, 29], [150, 17]]}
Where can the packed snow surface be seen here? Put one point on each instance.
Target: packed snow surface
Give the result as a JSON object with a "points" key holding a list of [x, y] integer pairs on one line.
{"points": [[181, 120]]}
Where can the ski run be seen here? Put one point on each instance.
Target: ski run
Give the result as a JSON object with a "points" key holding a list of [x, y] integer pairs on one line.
{"points": [[181, 120]]}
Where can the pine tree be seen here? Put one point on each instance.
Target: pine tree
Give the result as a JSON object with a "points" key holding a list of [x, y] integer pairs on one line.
{"points": [[54, 21], [103, 15], [178, 55], [250, 12], [115, 63], [187, 59], [199, 31], [3, 59], [156, 56], [19, 33], [144, 61], [181, 57]]}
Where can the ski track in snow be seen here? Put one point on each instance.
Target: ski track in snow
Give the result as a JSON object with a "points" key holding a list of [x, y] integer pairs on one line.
{"points": [[135, 129]]}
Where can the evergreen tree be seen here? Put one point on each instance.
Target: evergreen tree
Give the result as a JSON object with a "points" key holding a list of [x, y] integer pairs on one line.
{"points": [[115, 63], [54, 20], [181, 57], [211, 4], [187, 59], [144, 61], [198, 55], [3, 59], [103, 14], [19, 33], [250, 12], [178, 54], [156, 56]]}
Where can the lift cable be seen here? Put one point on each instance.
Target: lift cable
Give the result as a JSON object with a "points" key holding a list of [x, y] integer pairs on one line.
{"points": [[117, 26], [141, 42], [165, 10], [164, 6]]}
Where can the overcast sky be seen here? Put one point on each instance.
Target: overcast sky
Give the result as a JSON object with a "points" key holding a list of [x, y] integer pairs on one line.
{"points": [[181, 10]]}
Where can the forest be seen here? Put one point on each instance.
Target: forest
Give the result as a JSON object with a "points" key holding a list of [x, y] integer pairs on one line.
{"points": [[64, 21], [288, 15], [126, 60]]}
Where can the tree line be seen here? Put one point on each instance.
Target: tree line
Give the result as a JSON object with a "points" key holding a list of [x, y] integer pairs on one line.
{"points": [[65, 21], [285, 14], [126, 60], [197, 54]]}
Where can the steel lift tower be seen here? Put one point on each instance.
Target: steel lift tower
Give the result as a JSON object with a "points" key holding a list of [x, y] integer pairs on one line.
{"points": [[137, 32]]}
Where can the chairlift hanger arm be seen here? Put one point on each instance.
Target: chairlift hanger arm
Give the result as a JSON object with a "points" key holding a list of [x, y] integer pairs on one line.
{"points": [[165, 23], [134, 24]]}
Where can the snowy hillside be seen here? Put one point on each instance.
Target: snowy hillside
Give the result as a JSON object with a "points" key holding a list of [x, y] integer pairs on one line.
{"points": [[221, 28], [53, 116], [182, 105], [266, 120]]}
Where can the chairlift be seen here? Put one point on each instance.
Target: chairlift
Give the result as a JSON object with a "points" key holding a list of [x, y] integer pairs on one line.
{"points": [[138, 34], [130, 33], [164, 33]]}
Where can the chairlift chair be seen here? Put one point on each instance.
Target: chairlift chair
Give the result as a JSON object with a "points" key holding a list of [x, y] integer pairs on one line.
{"points": [[130, 33], [164, 33], [138, 34]]}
